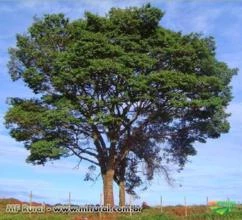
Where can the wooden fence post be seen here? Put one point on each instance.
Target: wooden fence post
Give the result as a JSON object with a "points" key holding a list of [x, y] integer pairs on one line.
{"points": [[30, 199], [207, 206], [161, 209], [185, 203], [130, 198], [69, 202]]}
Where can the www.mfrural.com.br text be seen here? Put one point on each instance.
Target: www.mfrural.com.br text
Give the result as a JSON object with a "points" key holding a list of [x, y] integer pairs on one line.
{"points": [[25, 208]]}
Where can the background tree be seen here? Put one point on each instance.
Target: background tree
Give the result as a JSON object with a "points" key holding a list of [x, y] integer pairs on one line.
{"points": [[139, 167], [101, 81]]}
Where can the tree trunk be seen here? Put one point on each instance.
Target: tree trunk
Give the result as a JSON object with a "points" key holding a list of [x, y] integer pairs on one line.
{"points": [[108, 187], [122, 193]]}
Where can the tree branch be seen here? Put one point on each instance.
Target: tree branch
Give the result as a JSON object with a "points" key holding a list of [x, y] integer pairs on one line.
{"points": [[81, 157]]}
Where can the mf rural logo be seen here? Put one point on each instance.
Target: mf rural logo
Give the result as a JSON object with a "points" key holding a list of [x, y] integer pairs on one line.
{"points": [[221, 207]]}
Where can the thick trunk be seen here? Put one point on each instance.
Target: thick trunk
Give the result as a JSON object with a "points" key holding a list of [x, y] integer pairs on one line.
{"points": [[122, 193], [108, 187]]}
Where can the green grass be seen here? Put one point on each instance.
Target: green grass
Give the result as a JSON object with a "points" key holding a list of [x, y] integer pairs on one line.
{"points": [[235, 215], [72, 217], [35, 217], [150, 214]]}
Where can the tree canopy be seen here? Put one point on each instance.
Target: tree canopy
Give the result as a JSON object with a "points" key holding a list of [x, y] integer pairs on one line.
{"points": [[109, 87]]}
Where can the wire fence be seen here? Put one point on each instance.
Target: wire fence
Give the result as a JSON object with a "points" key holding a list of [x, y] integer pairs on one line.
{"points": [[165, 205]]}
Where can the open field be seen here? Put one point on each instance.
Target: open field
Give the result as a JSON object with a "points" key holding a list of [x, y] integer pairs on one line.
{"points": [[169, 213]]}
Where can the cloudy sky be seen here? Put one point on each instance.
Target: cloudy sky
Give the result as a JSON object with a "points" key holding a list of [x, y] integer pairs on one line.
{"points": [[216, 171]]}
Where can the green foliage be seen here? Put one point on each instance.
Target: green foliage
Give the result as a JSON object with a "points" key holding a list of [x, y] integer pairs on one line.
{"points": [[102, 79]]}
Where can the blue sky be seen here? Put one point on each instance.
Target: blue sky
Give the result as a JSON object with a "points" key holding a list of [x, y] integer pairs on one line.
{"points": [[216, 171]]}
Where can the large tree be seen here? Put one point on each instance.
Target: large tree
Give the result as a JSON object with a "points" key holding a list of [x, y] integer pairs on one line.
{"points": [[101, 83]]}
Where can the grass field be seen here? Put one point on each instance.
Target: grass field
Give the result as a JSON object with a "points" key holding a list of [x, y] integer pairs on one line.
{"points": [[169, 213]]}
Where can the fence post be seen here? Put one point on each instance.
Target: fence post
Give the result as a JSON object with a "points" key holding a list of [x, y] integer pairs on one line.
{"points": [[69, 201], [185, 203], [130, 198], [30, 202], [30, 199], [101, 204], [228, 202], [101, 199], [207, 206], [161, 210], [43, 204]]}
